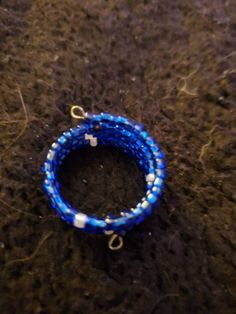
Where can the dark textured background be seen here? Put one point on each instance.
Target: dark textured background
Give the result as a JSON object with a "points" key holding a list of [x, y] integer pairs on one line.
{"points": [[169, 64]]}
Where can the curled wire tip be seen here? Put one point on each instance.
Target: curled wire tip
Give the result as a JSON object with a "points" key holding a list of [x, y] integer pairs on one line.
{"points": [[77, 112], [115, 242]]}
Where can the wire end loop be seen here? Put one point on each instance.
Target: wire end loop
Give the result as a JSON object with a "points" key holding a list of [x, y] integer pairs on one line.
{"points": [[77, 112], [115, 242]]}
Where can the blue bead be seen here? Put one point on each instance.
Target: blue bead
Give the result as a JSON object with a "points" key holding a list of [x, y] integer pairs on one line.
{"points": [[151, 198], [155, 148], [62, 139], [161, 165], [107, 116], [122, 120], [144, 134]]}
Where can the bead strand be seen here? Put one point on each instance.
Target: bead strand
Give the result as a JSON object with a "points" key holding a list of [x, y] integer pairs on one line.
{"points": [[106, 129]]}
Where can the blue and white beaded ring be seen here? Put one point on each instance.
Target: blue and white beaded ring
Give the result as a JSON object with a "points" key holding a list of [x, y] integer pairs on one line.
{"points": [[106, 129]]}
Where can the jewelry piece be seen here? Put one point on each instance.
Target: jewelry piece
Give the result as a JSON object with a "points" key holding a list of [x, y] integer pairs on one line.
{"points": [[106, 129]]}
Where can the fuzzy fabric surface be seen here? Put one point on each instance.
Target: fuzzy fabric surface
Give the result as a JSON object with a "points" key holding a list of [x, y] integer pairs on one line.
{"points": [[168, 64]]}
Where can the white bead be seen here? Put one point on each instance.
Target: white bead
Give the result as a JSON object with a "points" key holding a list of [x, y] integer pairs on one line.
{"points": [[145, 204], [50, 155], [155, 189], [137, 211], [54, 145], [108, 220], [150, 177], [93, 140], [80, 220]]}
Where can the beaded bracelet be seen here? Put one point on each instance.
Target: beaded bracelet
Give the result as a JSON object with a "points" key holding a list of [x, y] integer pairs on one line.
{"points": [[106, 129]]}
